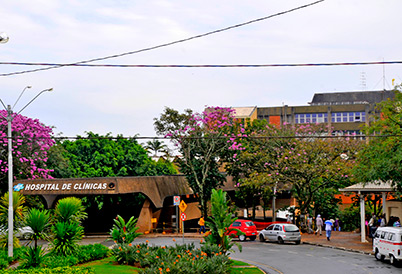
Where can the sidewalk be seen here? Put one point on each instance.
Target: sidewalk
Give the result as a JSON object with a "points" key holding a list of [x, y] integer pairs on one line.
{"points": [[342, 240]]}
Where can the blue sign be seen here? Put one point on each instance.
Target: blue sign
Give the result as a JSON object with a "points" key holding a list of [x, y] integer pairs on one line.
{"points": [[19, 187]]}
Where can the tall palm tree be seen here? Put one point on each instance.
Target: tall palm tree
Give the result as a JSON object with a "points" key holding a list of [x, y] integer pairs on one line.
{"points": [[156, 146]]}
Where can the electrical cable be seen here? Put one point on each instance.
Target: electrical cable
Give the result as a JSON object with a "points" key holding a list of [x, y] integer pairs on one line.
{"points": [[166, 44], [365, 63]]}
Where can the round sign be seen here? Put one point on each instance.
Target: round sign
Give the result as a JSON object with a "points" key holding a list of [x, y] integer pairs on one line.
{"points": [[183, 216]]}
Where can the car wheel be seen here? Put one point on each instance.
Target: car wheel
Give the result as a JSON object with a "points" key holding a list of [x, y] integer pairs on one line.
{"points": [[378, 256], [297, 242], [252, 238], [26, 236], [280, 240], [242, 238], [392, 260], [262, 239]]}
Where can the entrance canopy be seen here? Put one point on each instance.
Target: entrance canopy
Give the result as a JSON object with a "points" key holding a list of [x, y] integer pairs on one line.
{"points": [[362, 189]]}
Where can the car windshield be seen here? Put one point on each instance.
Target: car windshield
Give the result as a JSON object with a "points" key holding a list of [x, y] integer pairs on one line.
{"points": [[250, 223], [290, 228]]}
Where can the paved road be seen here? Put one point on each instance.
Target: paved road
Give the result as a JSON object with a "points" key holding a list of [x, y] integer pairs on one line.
{"points": [[274, 258]]}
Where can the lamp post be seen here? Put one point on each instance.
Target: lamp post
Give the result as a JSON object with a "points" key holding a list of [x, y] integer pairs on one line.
{"points": [[9, 120]]}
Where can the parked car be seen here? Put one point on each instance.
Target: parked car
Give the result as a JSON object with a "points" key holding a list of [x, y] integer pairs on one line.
{"points": [[246, 226], [22, 232], [387, 244], [282, 232]]}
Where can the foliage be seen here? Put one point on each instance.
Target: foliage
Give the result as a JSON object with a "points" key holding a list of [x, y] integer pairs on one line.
{"points": [[381, 158], [57, 270], [19, 208], [39, 222], [350, 218], [124, 233], [33, 257], [66, 236], [156, 146], [103, 156], [298, 158], [31, 142], [219, 222], [201, 142], [184, 259], [85, 253], [5, 260], [67, 230], [69, 209]]}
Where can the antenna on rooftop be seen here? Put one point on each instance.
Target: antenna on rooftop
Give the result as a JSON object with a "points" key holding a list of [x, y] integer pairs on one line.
{"points": [[363, 80]]}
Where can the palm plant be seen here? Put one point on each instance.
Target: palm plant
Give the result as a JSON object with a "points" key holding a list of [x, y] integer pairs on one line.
{"points": [[67, 230], [155, 146], [39, 222], [19, 210], [219, 222]]}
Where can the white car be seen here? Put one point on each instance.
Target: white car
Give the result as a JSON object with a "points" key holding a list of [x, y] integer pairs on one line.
{"points": [[280, 232], [387, 244], [23, 232]]}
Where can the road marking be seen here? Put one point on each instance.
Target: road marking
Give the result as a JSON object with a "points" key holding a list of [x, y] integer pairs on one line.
{"points": [[310, 255], [255, 263], [293, 252]]}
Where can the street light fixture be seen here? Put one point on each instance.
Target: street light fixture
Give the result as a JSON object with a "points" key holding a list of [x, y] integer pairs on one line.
{"points": [[4, 37], [9, 120]]}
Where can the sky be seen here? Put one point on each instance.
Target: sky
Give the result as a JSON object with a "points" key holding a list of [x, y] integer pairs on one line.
{"points": [[125, 101]]}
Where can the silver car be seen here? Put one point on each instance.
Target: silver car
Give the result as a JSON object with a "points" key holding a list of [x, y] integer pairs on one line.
{"points": [[280, 232]]}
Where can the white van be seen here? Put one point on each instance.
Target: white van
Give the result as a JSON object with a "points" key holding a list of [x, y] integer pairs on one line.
{"points": [[387, 244]]}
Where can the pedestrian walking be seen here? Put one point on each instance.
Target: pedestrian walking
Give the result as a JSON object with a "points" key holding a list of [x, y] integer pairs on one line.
{"points": [[328, 228], [201, 222], [318, 223], [383, 220], [372, 226], [309, 224]]}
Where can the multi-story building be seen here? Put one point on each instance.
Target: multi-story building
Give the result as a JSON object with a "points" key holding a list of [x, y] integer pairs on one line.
{"points": [[342, 111]]}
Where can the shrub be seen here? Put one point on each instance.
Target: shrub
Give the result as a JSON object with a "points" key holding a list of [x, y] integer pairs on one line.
{"points": [[122, 232], [66, 236], [175, 259], [5, 260], [32, 257], [58, 270], [59, 261], [92, 252]]}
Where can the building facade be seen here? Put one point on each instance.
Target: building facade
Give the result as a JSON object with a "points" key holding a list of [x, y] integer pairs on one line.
{"points": [[343, 112]]}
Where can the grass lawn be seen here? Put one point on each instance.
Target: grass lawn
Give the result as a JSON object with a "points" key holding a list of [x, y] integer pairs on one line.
{"points": [[108, 266]]}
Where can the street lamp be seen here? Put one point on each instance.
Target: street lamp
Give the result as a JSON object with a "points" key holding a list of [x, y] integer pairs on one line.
{"points": [[4, 37], [9, 120]]}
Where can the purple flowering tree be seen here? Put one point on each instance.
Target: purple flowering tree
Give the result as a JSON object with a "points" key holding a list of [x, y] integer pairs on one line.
{"points": [[202, 141], [298, 158], [31, 142]]}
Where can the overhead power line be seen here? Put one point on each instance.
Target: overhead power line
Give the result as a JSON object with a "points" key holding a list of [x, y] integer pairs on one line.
{"points": [[166, 44], [206, 66]]}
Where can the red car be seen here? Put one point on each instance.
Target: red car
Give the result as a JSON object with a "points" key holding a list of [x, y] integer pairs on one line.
{"points": [[246, 226]]}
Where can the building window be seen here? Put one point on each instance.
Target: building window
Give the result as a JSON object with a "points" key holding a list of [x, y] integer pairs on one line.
{"points": [[338, 117], [311, 118]]}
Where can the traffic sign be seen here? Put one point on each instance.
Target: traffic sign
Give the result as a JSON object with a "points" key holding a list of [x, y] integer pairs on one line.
{"points": [[183, 216], [182, 206], [176, 200]]}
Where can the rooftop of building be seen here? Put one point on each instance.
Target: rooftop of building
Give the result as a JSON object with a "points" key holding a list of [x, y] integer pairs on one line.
{"points": [[351, 97]]}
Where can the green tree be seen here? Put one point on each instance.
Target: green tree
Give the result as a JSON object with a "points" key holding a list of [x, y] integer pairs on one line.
{"points": [[201, 142], [299, 158], [156, 146], [381, 158]]}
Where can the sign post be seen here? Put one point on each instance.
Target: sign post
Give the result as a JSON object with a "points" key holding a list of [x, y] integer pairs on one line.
{"points": [[183, 216], [176, 203]]}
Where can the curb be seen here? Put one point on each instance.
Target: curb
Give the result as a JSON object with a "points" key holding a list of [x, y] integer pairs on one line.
{"points": [[340, 248]]}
